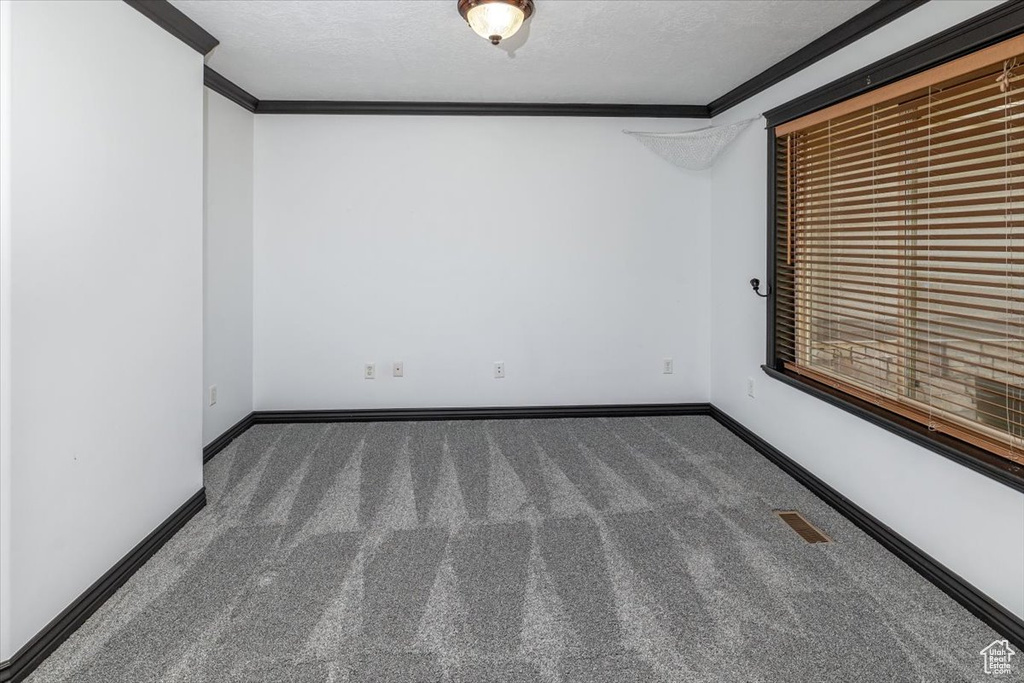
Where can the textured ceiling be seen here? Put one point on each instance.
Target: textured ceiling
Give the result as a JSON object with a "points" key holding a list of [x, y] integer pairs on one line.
{"points": [[609, 51]]}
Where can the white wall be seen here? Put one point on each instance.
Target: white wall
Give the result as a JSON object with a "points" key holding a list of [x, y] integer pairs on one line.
{"points": [[227, 265], [559, 246], [5, 327], [106, 296], [968, 522]]}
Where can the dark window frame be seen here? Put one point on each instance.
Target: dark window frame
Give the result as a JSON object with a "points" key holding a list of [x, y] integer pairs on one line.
{"points": [[981, 31]]}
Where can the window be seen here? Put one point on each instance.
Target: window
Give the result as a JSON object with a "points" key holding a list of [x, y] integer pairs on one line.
{"points": [[899, 250]]}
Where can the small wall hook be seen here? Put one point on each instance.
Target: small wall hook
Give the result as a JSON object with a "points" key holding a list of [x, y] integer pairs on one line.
{"points": [[755, 284]]}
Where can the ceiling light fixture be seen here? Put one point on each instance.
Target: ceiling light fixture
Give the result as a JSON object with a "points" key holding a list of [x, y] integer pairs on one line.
{"points": [[495, 20]]}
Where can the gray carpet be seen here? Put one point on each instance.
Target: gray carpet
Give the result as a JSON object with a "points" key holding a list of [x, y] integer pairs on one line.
{"points": [[597, 550]]}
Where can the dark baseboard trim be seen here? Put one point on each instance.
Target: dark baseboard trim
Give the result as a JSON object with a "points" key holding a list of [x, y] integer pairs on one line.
{"points": [[430, 414], [675, 111], [490, 413], [873, 18], [174, 21], [221, 442], [57, 631], [217, 83], [976, 602], [980, 31]]}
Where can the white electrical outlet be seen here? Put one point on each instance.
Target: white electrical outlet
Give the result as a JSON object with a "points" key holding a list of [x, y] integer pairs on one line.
{"points": [[499, 369], [369, 371], [213, 394], [398, 369], [666, 366], [750, 387]]}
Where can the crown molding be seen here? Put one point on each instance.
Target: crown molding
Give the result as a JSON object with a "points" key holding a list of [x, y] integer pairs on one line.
{"points": [[873, 18], [174, 21], [673, 111], [217, 83], [980, 31]]}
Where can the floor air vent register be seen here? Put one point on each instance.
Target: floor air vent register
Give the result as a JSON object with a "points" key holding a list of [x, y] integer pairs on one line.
{"points": [[799, 524]]}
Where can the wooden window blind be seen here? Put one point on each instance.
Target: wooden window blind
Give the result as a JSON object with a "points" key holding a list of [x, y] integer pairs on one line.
{"points": [[899, 248]]}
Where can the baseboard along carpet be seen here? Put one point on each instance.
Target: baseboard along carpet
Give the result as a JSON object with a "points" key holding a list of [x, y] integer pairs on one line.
{"points": [[612, 549]]}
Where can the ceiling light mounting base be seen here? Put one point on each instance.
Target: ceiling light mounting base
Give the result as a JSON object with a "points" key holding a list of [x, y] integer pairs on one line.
{"points": [[495, 20]]}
